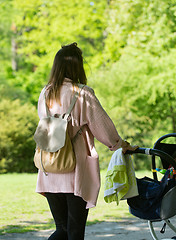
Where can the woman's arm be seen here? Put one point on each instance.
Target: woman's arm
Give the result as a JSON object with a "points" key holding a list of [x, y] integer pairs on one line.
{"points": [[100, 123]]}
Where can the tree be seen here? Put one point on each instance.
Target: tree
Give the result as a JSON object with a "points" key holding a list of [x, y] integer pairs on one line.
{"points": [[129, 44], [146, 25], [16, 136], [41, 27], [6, 14]]}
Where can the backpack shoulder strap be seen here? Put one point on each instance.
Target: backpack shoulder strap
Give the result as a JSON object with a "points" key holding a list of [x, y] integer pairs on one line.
{"points": [[46, 107], [74, 100]]}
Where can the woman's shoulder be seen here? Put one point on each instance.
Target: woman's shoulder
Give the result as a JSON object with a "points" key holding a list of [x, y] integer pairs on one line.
{"points": [[87, 90], [89, 95]]}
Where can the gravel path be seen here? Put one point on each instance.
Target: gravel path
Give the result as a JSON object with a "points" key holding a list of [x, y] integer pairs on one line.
{"points": [[127, 229]]}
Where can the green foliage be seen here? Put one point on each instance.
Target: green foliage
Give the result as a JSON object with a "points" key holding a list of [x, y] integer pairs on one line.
{"points": [[129, 45], [138, 92], [16, 136], [41, 27], [146, 25], [6, 13], [10, 92]]}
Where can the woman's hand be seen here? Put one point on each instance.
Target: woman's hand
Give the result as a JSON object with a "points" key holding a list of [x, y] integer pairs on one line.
{"points": [[126, 146]]}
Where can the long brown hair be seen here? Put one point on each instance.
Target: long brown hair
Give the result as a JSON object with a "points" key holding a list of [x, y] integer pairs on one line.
{"points": [[68, 63]]}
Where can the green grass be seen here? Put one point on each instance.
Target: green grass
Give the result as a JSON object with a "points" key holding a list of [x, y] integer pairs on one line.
{"points": [[21, 209]]}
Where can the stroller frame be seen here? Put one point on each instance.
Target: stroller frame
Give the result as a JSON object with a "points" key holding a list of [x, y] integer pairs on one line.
{"points": [[163, 151]]}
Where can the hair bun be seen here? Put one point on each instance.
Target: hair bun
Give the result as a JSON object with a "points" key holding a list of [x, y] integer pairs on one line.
{"points": [[74, 44]]}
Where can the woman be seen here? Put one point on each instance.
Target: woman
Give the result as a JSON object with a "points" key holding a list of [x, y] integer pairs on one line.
{"points": [[70, 195]]}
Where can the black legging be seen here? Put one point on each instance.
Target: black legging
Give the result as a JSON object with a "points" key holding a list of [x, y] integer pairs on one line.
{"points": [[70, 215]]}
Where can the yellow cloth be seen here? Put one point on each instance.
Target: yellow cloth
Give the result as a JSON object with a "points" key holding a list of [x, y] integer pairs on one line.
{"points": [[120, 180]]}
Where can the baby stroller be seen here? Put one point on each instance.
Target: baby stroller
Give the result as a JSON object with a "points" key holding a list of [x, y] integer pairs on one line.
{"points": [[157, 199]]}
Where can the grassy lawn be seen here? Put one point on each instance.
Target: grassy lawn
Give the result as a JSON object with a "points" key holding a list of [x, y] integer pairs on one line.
{"points": [[21, 209]]}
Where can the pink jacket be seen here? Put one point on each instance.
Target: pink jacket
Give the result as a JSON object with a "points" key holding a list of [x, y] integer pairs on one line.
{"points": [[89, 115]]}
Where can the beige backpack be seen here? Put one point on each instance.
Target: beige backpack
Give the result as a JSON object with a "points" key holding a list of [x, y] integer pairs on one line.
{"points": [[54, 152]]}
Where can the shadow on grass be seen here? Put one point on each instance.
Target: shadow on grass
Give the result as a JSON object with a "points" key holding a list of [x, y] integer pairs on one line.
{"points": [[35, 226], [27, 226]]}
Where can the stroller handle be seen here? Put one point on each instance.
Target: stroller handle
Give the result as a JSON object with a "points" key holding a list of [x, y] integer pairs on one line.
{"points": [[155, 152]]}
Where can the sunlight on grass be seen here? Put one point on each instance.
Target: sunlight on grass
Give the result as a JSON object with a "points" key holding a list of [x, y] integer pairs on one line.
{"points": [[20, 206], [21, 209]]}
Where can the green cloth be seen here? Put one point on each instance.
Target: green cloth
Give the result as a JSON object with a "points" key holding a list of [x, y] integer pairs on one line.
{"points": [[116, 183]]}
